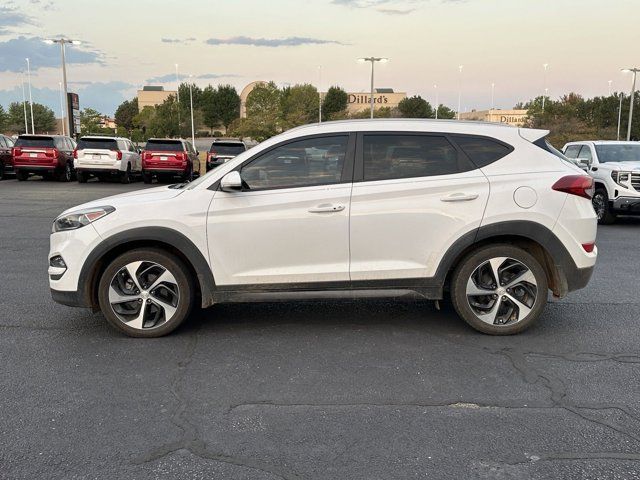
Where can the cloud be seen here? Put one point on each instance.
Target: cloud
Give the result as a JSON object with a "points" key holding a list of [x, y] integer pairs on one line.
{"points": [[178, 40], [271, 42], [389, 7], [10, 18], [14, 51], [102, 96], [396, 11], [171, 77]]}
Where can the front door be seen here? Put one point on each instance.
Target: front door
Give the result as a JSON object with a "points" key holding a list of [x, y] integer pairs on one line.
{"points": [[290, 223]]}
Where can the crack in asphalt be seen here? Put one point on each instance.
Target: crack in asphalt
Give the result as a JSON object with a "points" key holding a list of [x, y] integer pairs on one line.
{"points": [[190, 440]]}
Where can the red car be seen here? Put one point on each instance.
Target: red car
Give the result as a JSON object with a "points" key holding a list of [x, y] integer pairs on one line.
{"points": [[46, 155], [166, 158]]}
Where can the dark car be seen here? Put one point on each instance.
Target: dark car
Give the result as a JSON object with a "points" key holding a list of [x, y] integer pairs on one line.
{"points": [[46, 155], [6, 161], [222, 151], [168, 159]]}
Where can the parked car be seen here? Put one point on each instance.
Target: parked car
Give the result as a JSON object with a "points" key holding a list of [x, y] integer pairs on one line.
{"points": [[46, 155], [615, 168], [223, 150], [105, 157], [488, 215], [6, 160], [166, 159]]}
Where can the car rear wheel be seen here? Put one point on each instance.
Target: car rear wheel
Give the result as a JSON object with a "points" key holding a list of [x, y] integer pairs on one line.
{"points": [[125, 177], [601, 206], [499, 289], [66, 174], [22, 175], [146, 293]]}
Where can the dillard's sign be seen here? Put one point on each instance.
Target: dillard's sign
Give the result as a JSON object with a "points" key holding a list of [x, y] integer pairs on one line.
{"points": [[358, 98], [512, 119]]}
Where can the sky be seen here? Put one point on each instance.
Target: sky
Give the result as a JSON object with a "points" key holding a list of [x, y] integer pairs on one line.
{"points": [[128, 44]]}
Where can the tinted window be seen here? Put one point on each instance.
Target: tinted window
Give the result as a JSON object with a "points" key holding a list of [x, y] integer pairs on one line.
{"points": [[621, 152], [61, 144], [3, 143], [572, 151], [585, 153], [294, 165], [407, 156], [101, 143], [9, 141], [43, 142], [482, 151], [165, 145], [226, 148]]}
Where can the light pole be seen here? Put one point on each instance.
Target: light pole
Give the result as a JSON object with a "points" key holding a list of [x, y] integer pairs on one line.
{"points": [[63, 41], [61, 108], [460, 67], [493, 91], [319, 94], [193, 131], [620, 115], [544, 95], [178, 96], [24, 106], [437, 102], [633, 94], [610, 82], [33, 130], [373, 60]]}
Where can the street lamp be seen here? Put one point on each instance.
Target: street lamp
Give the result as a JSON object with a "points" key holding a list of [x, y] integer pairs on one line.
{"points": [[460, 67], [33, 130], [61, 108], [24, 105], [193, 131], [178, 96], [493, 91], [544, 96], [633, 93], [435, 87], [610, 82], [319, 94], [63, 41], [373, 60]]}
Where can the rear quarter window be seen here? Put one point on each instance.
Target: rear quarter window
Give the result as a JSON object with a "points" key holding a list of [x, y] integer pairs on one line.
{"points": [[482, 151], [42, 142]]}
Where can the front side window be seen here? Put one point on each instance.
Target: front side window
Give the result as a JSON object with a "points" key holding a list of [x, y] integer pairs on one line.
{"points": [[482, 151], [390, 156], [572, 151], [585, 153], [313, 161]]}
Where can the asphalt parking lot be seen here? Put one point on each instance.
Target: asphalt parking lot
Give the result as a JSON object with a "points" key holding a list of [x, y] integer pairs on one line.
{"points": [[372, 389]]}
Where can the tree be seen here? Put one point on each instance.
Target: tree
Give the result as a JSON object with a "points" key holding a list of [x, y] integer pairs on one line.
{"points": [[227, 104], [299, 105], [3, 119], [43, 118], [263, 113], [334, 104], [125, 114], [415, 107], [91, 122], [210, 113], [445, 112]]}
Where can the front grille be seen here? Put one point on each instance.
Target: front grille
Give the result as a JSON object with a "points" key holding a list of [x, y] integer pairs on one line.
{"points": [[635, 181]]}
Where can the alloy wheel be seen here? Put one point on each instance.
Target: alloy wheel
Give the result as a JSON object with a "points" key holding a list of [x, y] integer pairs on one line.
{"points": [[502, 291], [144, 295], [599, 205]]}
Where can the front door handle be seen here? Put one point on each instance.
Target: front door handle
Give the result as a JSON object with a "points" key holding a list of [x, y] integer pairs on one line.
{"points": [[326, 208], [460, 197]]}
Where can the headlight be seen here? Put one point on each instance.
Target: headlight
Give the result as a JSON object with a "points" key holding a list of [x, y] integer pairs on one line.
{"points": [[620, 177], [75, 220]]}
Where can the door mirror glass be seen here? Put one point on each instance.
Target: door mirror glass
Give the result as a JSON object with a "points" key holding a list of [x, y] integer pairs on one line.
{"points": [[584, 163], [232, 181]]}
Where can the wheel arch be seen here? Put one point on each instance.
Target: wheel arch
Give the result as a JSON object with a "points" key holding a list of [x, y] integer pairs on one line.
{"points": [[162, 238]]}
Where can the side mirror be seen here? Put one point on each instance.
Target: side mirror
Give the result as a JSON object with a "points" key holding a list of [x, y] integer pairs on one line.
{"points": [[584, 163], [232, 181]]}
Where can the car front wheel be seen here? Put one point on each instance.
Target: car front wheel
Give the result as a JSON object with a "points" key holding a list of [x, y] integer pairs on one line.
{"points": [[601, 206], [146, 293], [499, 289]]}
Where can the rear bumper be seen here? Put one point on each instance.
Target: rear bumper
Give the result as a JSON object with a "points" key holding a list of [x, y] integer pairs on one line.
{"points": [[173, 170], [36, 168], [626, 205], [577, 278]]}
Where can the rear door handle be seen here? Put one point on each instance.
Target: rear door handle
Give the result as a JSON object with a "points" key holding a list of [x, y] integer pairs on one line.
{"points": [[460, 197], [326, 208]]}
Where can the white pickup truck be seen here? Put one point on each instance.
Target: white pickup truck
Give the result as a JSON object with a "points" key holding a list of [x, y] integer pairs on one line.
{"points": [[615, 167]]}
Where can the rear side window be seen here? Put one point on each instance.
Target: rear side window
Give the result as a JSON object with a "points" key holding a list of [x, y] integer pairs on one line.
{"points": [[99, 143], [42, 142], [482, 151], [165, 145], [572, 151], [393, 156]]}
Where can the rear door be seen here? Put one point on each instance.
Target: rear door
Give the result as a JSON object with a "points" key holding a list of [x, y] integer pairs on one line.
{"points": [[97, 151], [415, 195]]}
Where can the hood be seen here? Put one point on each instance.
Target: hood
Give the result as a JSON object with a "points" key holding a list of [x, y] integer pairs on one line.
{"points": [[149, 195], [625, 166]]}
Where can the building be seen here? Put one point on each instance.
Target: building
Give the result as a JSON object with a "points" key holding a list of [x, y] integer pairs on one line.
{"points": [[108, 122], [383, 97], [152, 95], [515, 118]]}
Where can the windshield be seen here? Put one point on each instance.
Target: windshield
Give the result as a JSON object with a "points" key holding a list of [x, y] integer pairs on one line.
{"points": [[99, 143], [226, 148], [164, 145], [46, 142], [619, 152]]}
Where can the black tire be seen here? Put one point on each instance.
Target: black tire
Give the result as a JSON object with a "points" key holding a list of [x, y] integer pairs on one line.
{"points": [[184, 282], [2, 173], [147, 177], [21, 175], [601, 206], [66, 175], [188, 176], [82, 177], [125, 177], [478, 258]]}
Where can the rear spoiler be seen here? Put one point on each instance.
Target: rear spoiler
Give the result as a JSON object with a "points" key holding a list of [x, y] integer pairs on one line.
{"points": [[532, 134]]}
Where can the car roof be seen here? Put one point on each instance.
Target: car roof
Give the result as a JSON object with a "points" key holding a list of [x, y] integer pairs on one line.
{"points": [[103, 137], [167, 139], [602, 142], [227, 140]]}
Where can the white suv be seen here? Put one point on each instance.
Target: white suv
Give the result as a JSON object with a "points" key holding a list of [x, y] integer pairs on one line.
{"points": [[615, 167], [489, 214], [104, 157]]}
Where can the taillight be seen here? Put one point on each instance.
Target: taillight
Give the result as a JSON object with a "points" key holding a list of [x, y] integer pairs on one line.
{"points": [[181, 156], [16, 152], [75, 153], [580, 185], [51, 152], [118, 154], [588, 247], [146, 155]]}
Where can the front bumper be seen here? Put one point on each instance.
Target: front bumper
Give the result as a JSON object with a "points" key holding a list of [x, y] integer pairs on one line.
{"points": [[70, 298], [626, 205]]}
